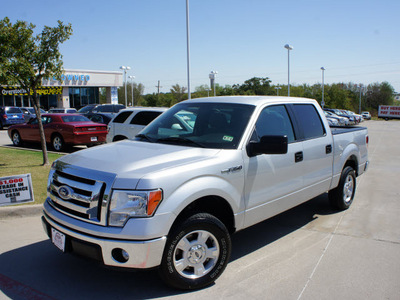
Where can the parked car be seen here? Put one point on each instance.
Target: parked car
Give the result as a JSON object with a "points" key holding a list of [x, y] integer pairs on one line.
{"points": [[101, 108], [352, 119], [358, 117], [29, 112], [332, 121], [10, 115], [366, 115], [62, 111], [103, 118], [60, 130], [130, 121], [342, 121]]}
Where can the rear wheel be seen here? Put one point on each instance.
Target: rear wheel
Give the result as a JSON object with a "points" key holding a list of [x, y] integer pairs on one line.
{"points": [[342, 196], [196, 253], [16, 138], [58, 143]]}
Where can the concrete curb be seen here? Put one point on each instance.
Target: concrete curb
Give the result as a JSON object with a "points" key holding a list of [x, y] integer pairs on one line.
{"points": [[21, 211]]}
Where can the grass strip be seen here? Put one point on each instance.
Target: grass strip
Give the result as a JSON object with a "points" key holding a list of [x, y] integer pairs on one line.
{"points": [[17, 162]]}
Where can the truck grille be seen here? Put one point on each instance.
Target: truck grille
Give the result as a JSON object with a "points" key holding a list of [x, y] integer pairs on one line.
{"points": [[77, 195]]}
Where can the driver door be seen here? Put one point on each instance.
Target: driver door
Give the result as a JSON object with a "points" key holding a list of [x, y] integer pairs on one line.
{"points": [[273, 180]]}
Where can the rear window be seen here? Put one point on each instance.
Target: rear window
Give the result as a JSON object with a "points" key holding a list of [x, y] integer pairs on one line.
{"points": [[13, 110], [77, 118], [145, 117], [121, 117]]}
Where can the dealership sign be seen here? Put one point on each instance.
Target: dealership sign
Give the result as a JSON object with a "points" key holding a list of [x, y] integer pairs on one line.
{"points": [[16, 189], [68, 78], [17, 91]]}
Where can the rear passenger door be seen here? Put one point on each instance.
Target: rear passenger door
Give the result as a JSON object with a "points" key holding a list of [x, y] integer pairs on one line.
{"points": [[317, 149]]}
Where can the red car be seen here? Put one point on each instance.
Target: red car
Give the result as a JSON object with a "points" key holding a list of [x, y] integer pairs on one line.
{"points": [[60, 130]]}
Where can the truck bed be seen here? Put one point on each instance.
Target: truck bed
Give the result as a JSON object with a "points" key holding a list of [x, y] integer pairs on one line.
{"points": [[340, 130]]}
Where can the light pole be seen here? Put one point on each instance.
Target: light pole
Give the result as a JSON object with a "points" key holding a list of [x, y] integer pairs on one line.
{"points": [[125, 70], [277, 90], [212, 76], [132, 77], [288, 47], [188, 47], [322, 102], [359, 105]]}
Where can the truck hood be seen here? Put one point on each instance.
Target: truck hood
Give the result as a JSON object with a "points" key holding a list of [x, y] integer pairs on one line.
{"points": [[131, 160]]}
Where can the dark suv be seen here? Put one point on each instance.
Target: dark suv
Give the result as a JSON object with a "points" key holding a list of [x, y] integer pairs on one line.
{"points": [[101, 108], [10, 115]]}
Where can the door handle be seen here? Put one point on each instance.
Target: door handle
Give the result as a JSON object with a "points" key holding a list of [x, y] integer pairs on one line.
{"points": [[328, 149], [298, 156]]}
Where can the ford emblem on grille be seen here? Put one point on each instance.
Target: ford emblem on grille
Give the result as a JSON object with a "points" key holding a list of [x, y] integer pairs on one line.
{"points": [[65, 192]]}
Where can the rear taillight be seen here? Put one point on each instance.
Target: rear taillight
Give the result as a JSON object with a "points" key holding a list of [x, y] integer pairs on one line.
{"points": [[367, 140], [79, 129], [5, 116]]}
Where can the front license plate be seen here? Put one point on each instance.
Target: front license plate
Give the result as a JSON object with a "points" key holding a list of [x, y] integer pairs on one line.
{"points": [[93, 139], [58, 239]]}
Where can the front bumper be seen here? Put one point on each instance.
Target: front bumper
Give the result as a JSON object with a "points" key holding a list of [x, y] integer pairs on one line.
{"points": [[142, 254]]}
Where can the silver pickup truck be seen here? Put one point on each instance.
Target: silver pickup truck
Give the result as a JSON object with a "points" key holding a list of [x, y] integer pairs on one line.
{"points": [[203, 170]]}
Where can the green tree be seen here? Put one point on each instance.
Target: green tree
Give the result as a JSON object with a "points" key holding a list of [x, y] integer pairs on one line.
{"points": [[26, 59], [379, 94], [179, 93], [255, 86]]}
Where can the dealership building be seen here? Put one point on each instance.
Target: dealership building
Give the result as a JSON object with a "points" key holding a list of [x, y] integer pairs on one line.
{"points": [[76, 89]]}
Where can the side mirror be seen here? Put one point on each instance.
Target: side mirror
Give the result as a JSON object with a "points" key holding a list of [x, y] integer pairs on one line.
{"points": [[268, 144]]}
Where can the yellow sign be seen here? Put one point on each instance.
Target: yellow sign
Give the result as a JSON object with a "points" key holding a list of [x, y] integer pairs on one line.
{"points": [[44, 90]]}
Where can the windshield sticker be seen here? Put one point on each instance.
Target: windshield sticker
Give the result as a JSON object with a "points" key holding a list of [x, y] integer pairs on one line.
{"points": [[227, 138]]}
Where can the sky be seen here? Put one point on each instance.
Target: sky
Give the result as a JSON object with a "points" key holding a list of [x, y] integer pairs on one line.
{"points": [[355, 41]]}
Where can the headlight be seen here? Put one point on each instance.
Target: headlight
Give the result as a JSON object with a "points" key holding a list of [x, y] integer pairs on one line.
{"points": [[126, 204]]}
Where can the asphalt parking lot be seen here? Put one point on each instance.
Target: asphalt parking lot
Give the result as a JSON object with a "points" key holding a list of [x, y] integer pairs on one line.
{"points": [[309, 252]]}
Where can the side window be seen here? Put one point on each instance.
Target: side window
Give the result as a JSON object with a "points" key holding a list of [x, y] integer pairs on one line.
{"points": [[274, 120], [144, 117], [97, 119], [121, 118], [309, 121]]}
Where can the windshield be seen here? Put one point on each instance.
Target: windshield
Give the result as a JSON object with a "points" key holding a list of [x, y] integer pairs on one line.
{"points": [[208, 125]]}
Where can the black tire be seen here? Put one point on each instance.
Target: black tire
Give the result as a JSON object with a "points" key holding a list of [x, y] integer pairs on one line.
{"points": [[342, 196], [57, 143], [16, 138], [200, 267]]}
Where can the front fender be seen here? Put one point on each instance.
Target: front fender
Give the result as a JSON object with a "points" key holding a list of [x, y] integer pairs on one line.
{"points": [[205, 186]]}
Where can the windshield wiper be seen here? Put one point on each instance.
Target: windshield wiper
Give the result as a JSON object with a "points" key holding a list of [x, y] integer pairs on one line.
{"points": [[145, 137], [178, 140]]}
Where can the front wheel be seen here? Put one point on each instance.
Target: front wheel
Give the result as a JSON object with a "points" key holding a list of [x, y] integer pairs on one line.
{"points": [[196, 252], [342, 196]]}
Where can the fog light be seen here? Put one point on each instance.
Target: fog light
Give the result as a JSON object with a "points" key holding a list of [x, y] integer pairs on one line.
{"points": [[120, 255]]}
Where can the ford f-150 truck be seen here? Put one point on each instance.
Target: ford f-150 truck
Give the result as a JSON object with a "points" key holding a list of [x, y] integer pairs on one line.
{"points": [[204, 169]]}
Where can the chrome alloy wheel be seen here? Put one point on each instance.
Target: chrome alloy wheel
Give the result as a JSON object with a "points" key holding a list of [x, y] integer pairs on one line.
{"points": [[57, 143], [348, 188], [196, 254], [16, 139]]}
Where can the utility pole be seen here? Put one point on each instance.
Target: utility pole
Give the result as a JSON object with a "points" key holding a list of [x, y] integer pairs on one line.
{"points": [[158, 88]]}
